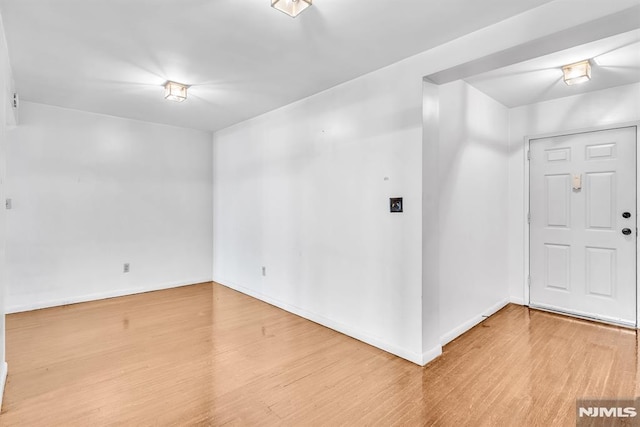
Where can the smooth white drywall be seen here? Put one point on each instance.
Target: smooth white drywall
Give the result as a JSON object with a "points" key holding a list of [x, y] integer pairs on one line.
{"points": [[431, 342], [600, 108], [92, 192], [6, 113], [472, 200], [302, 191]]}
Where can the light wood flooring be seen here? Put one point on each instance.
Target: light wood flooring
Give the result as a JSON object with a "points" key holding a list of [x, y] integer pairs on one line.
{"points": [[207, 355]]}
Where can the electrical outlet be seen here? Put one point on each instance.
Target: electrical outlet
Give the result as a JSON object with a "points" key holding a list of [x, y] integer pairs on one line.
{"points": [[126, 267], [8, 204], [264, 271]]}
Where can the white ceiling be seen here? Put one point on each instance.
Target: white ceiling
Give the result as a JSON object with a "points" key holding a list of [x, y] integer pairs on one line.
{"points": [[615, 61], [242, 58]]}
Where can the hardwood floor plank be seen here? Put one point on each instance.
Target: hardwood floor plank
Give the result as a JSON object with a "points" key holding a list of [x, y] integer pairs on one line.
{"points": [[206, 355]]}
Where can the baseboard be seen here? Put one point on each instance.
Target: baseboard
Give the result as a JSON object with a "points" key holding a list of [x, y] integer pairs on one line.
{"points": [[418, 359], [430, 355], [516, 300], [473, 321], [18, 308], [4, 371]]}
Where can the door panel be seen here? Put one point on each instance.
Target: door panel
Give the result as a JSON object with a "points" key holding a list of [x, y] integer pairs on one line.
{"points": [[580, 261], [558, 266], [558, 200], [601, 203], [601, 275]]}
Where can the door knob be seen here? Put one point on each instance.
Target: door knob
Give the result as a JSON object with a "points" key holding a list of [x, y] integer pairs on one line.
{"points": [[626, 215], [626, 231]]}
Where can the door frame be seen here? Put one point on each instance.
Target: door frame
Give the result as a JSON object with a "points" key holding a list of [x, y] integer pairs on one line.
{"points": [[527, 188]]}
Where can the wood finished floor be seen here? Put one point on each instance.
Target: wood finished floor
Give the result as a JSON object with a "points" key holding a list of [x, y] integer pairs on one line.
{"points": [[206, 355]]}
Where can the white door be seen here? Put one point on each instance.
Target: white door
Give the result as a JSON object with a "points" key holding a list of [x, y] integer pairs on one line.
{"points": [[582, 200]]}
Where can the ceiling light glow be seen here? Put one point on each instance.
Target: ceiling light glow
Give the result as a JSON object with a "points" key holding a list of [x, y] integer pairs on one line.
{"points": [[577, 73], [291, 7], [175, 91]]}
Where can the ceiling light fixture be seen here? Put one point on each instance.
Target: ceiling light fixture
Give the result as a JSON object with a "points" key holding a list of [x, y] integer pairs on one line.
{"points": [[175, 91], [291, 7], [579, 72]]}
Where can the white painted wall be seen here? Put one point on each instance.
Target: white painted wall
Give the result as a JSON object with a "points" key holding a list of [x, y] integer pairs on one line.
{"points": [[472, 200], [6, 117], [301, 190], [431, 336], [606, 107], [91, 192], [304, 191]]}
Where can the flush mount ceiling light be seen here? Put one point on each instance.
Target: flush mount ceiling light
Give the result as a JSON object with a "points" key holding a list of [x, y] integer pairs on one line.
{"points": [[291, 7], [175, 91], [579, 72]]}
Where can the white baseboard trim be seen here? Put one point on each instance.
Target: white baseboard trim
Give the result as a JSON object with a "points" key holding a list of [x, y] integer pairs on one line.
{"points": [[418, 359], [37, 305], [517, 300], [430, 355], [464, 327], [4, 371]]}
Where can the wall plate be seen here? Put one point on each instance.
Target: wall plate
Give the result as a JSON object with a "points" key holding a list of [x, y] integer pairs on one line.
{"points": [[395, 204]]}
